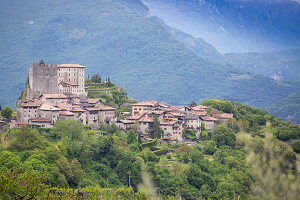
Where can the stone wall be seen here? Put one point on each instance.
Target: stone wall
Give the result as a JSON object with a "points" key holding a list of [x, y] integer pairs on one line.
{"points": [[42, 79]]}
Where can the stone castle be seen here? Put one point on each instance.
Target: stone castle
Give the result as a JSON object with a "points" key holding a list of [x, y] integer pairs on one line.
{"points": [[58, 92], [55, 79]]}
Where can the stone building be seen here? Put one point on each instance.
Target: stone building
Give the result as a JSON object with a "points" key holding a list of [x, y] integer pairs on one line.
{"points": [[172, 130], [58, 92], [54, 79]]}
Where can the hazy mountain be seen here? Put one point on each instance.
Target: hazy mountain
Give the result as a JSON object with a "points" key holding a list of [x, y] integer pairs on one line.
{"points": [[118, 39], [288, 108], [280, 65], [234, 25]]}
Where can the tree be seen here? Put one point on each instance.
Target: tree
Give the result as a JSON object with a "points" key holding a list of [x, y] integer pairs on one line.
{"points": [[0, 108], [41, 62], [96, 78], [71, 170], [72, 129], [193, 104], [28, 185], [27, 139], [210, 147], [223, 135], [296, 145], [157, 131], [131, 137], [6, 112]]}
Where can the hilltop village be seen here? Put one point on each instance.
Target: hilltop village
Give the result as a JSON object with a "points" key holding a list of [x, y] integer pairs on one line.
{"points": [[58, 92]]}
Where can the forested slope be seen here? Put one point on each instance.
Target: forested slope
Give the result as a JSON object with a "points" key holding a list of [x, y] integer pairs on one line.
{"points": [[118, 39]]}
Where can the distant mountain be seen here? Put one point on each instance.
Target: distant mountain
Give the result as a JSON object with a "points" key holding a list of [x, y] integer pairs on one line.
{"points": [[234, 25], [288, 108], [118, 39], [279, 65]]}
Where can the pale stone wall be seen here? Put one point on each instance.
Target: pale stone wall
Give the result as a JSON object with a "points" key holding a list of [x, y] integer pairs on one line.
{"points": [[43, 78]]}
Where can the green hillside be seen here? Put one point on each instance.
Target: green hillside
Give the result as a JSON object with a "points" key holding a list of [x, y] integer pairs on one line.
{"points": [[71, 161], [118, 39], [284, 65], [288, 108]]}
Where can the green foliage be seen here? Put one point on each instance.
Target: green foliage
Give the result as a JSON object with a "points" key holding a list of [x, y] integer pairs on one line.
{"points": [[272, 165], [6, 112], [150, 144], [157, 132], [71, 170], [189, 134], [96, 78], [71, 129], [131, 137], [210, 147], [288, 108], [27, 139], [223, 135], [27, 185], [296, 146]]}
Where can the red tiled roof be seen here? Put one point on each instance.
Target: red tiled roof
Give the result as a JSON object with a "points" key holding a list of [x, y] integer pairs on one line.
{"points": [[55, 96], [127, 121], [168, 122], [145, 119], [145, 103], [208, 118], [48, 107], [39, 120], [224, 115], [200, 107], [36, 103], [66, 113], [103, 107], [93, 100], [199, 113], [68, 83]]}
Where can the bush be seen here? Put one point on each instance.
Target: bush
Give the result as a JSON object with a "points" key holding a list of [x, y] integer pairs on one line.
{"points": [[296, 146]]}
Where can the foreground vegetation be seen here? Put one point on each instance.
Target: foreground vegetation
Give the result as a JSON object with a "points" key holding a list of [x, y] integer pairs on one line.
{"points": [[71, 161]]}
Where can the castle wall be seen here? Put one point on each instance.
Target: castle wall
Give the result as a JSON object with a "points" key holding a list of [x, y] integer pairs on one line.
{"points": [[42, 79]]}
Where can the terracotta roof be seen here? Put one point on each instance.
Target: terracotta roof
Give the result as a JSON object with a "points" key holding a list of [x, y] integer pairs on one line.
{"points": [[127, 121], [21, 123], [145, 103], [200, 107], [77, 110], [63, 106], [133, 117], [208, 118], [48, 107], [157, 112], [145, 119], [36, 103], [71, 66], [68, 83], [92, 109], [39, 120], [168, 122], [93, 100], [224, 115], [177, 114], [199, 113], [66, 113], [103, 107], [55, 96]]}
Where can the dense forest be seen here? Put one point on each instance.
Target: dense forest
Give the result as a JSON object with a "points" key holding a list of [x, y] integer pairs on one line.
{"points": [[253, 155]]}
